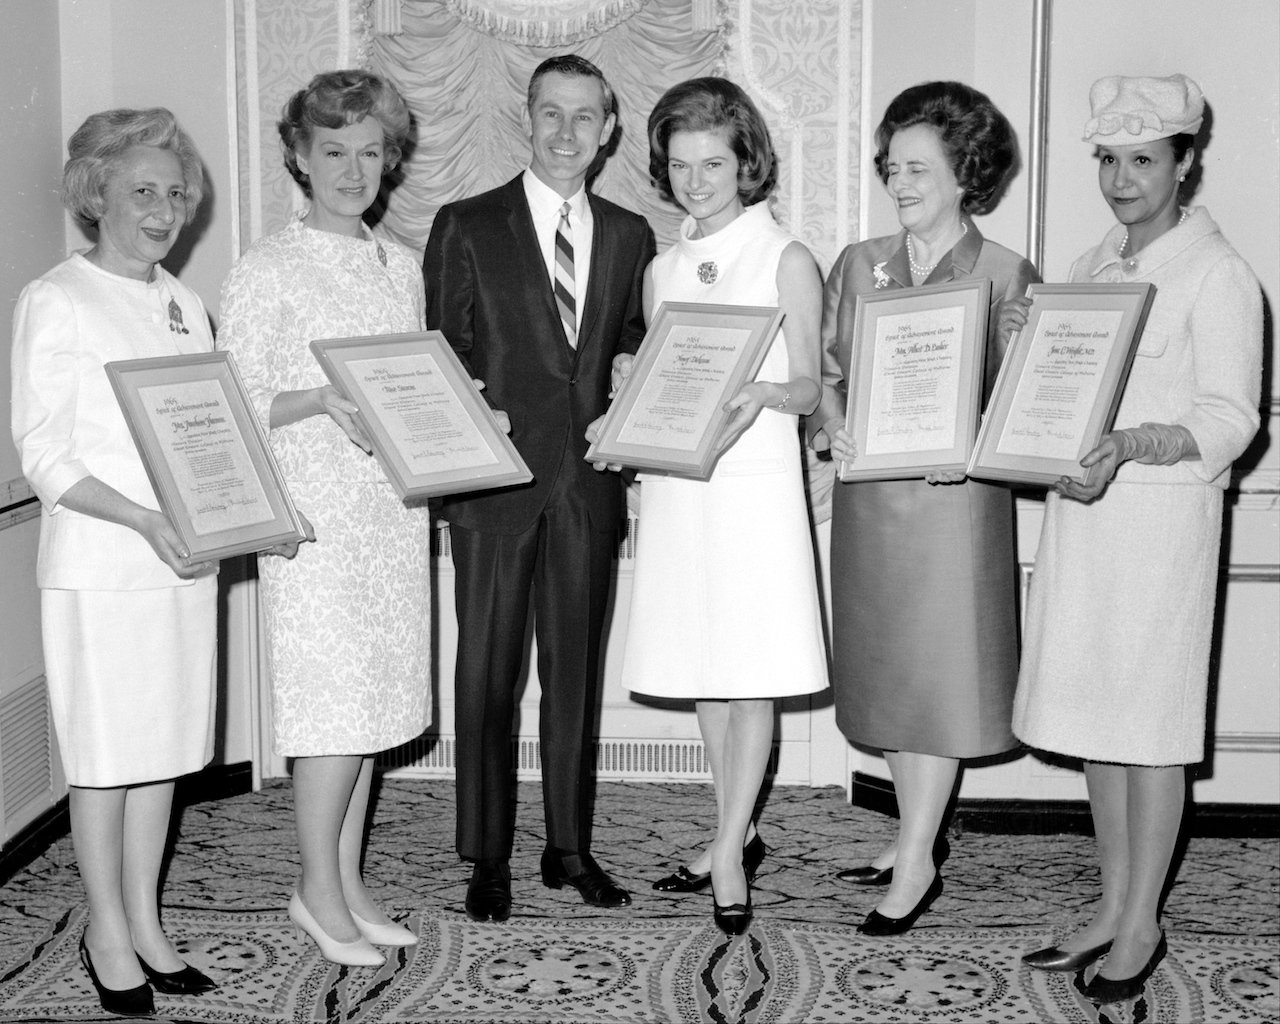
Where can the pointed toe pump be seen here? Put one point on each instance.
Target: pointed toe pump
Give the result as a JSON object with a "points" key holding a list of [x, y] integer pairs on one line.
{"points": [[356, 953], [877, 924]]}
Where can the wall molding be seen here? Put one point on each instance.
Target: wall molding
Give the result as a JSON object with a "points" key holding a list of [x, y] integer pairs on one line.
{"points": [[1055, 817]]}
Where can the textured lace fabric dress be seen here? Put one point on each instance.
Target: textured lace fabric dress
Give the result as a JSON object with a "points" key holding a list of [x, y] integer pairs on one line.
{"points": [[349, 619], [724, 601]]}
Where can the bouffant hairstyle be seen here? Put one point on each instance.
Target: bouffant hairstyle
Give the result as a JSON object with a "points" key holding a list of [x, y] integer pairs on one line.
{"points": [[571, 64], [335, 99], [95, 148], [714, 105], [979, 140]]}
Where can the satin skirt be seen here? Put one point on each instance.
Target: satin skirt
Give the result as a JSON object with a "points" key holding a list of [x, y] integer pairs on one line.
{"points": [[924, 592]]}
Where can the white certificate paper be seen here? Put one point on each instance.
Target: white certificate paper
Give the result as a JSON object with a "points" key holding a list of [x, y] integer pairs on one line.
{"points": [[211, 466], [915, 381], [685, 388], [1056, 393], [416, 403]]}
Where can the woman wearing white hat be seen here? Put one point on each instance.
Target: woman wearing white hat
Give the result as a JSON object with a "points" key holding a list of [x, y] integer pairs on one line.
{"points": [[1120, 614]]}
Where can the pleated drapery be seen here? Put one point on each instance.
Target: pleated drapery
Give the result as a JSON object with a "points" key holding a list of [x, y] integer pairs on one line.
{"points": [[464, 67]]}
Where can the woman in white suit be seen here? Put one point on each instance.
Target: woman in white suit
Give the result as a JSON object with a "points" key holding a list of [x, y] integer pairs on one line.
{"points": [[1120, 614], [128, 627]]}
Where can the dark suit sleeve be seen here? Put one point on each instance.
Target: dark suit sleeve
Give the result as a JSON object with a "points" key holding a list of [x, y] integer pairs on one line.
{"points": [[448, 276], [633, 327]]}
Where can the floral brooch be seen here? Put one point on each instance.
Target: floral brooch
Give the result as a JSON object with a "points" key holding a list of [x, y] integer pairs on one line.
{"points": [[882, 279]]}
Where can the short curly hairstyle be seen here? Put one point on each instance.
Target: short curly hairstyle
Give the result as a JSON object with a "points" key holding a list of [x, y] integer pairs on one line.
{"points": [[979, 140], [714, 105], [335, 99], [95, 148]]}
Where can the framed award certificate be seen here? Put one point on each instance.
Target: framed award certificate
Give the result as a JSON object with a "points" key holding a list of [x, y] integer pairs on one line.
{"points": [[669, 413], [915, 379], [1061, 381], [206, 454], [429, 428]]}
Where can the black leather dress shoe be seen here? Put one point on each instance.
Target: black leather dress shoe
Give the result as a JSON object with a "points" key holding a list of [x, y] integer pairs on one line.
{"points": [[581, 871], [186, 982], [684, 880], [1116, 990], [877, 924], [489, 891], [1054, 959]]}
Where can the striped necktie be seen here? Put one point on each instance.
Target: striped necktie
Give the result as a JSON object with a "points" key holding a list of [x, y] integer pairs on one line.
{"points": [[564, 277]]}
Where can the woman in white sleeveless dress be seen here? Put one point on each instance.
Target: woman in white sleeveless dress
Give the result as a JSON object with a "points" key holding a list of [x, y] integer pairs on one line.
{"points": [[724, 606]]}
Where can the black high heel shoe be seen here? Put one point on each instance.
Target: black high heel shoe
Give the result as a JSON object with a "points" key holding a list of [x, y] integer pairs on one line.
{"points": [[127, 1002], [870, 875], [1054, 959], [735, 918], [752, 857], [877, 924], [186, 982], [1117, 990], [684, 880]]}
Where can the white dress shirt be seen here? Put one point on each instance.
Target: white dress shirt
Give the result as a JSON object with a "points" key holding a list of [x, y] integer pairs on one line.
{"points": [[544, 205]]}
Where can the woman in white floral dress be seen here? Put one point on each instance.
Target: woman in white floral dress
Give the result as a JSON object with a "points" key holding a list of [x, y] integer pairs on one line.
{"points": [[348, 620]]}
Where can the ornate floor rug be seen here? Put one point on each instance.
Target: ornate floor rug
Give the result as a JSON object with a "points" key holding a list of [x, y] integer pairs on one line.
{"points": [[645, 972], [659, 961]]}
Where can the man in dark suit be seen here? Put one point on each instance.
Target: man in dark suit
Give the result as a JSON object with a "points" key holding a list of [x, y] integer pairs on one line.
{"points": [[537, 286]]}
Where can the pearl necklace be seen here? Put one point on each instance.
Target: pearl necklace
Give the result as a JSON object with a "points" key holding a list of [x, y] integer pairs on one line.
{"points": [[1124, 242], [925, 271]]}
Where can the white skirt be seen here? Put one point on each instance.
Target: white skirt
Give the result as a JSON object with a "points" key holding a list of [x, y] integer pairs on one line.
{"points": [[131, 681], [1115, 659], [724, 600]]}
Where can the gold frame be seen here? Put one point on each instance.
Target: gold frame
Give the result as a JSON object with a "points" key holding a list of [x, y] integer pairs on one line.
{"points": [[498, 463], [658, 358], [138, 383]]}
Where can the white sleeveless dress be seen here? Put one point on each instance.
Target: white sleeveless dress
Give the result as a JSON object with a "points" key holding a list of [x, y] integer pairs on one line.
{"points": [[724, 600]]}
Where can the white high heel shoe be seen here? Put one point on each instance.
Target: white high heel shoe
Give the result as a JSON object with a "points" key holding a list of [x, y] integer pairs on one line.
{"points": [[356, 953], [384, 934]]}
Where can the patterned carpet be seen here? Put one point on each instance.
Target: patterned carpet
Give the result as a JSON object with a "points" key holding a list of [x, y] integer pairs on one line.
{"points": [[660, 960]]}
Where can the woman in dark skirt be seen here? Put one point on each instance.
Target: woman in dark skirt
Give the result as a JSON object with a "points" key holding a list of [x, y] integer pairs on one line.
{"points": [[923, 572]]}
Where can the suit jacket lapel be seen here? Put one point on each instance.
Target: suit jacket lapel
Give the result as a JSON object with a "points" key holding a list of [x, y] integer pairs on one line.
{"points": [[534, 268], [599, 276]]}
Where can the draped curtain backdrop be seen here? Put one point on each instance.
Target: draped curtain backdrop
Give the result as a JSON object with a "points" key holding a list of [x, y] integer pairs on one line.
{"points": [[464, 66]]}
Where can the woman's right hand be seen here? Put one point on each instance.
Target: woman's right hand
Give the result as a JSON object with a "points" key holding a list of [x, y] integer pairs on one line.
{"points": [[157, 531], [620, 371], [1011, 317], [843, 447], [342, 412], [593, 435]]}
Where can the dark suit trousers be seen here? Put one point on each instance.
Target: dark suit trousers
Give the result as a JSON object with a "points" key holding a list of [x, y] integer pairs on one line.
{"points": [[563, 566]]}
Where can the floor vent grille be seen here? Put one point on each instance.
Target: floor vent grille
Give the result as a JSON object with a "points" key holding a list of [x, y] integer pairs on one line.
{"points": [[26, 754], [435, 756]]}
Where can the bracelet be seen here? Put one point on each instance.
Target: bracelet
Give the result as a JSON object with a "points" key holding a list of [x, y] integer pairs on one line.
{"points": [[786, 397]]}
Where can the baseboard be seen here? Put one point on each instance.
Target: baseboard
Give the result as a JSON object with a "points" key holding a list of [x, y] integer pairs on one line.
{"points": [[33, 839], [1049, 817], [211, 784]]}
